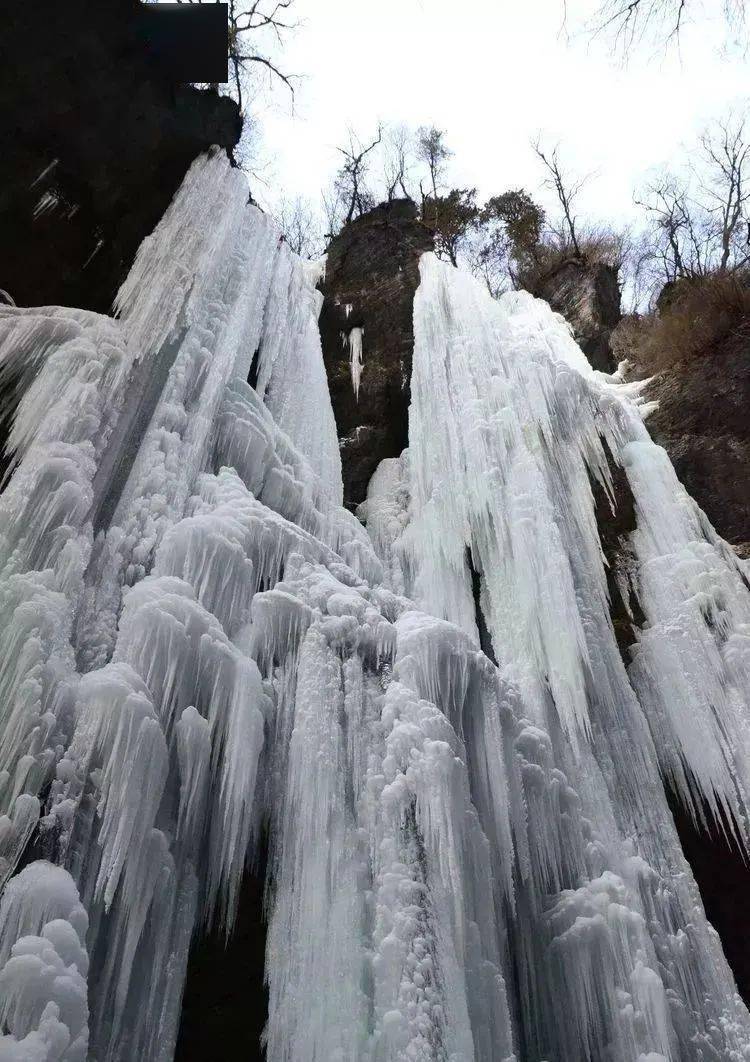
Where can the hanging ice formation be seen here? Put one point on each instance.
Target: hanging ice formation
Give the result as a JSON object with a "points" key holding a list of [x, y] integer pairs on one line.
{"points": [[355, 358], [469, 860], [353, 340]]}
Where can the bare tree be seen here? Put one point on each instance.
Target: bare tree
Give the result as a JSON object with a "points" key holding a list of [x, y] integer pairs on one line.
{"points": [[565, 188], [507, 239], [726, 152], [332, 204], [252, 24], [699, 218], [675, 246], [434, 153], [300, 226], [398, 147], [351, 180], [489, 257]]}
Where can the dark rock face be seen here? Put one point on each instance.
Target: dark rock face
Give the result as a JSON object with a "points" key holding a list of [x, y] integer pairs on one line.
{"points": [[225, 1005], [703, 424], [616, 520], [588, 297], [371, 276], [93, 145], [723, 877]]}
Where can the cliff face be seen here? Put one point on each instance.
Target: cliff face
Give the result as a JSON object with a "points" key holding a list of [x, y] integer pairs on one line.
{"points": [[94, 144], [588, 297], [371, 276], [702, 422]]}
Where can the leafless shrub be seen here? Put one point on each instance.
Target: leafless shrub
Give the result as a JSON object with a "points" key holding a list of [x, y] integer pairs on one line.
{"points": [[696, 316]]}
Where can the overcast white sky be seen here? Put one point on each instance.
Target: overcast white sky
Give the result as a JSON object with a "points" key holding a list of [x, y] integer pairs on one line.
{"points": [[493, 73]]}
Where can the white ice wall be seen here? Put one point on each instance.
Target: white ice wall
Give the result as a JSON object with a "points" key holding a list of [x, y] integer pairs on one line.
{"points": [[508, 428], [467, 861]]}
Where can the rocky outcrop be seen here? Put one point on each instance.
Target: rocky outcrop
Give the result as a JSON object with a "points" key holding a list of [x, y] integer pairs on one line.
{"points": [[702, 422], [94, 142], [371, 276], [588, 297]]}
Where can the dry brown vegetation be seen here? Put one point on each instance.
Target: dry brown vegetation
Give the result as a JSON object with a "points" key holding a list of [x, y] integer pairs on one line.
{"points": [[694, 318], [595, 247]]}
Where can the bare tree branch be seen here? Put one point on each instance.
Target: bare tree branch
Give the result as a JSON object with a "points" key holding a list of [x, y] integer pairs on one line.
{"points": [[249, 22], [629, 21], [351, 176], [699, 219], [397, 156], [299, 225], [565, 189]]}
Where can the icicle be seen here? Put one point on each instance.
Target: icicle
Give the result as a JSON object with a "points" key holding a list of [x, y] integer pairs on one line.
{"points": [[314, 934], [119, 737], [386, 514], [356, 362], [291, 375], [506, 480], [194, 755]]}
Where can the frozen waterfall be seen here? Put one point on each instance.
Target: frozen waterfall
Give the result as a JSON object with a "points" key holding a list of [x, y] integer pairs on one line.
{"points": [[471, 856]]}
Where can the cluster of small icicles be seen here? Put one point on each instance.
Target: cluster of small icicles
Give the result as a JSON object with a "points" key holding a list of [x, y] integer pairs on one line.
{"points": [[200, 646]]}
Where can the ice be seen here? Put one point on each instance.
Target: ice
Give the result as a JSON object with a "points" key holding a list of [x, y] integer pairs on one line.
{"points": [[386, 513], [356, 361], [194, 757], [291, 375], [43, 968], [457, 769], [601, 957], [375, 792], [491, 522], [319, 870], [697, 607], [117, 736]]}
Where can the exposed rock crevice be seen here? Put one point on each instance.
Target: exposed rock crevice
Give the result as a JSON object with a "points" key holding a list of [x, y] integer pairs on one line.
{"points": [[616, 520]]}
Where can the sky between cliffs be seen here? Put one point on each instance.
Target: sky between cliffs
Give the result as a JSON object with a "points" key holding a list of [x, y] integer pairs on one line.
{"points": [[493, 73]]}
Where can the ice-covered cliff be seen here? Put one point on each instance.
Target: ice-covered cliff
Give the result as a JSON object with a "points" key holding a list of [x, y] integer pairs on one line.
{"points": [[459, 771]]}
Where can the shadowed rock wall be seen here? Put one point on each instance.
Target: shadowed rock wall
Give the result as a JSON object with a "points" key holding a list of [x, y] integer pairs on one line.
{"points": [[703, 422], [372, 273], [94, 142], [588, 297]]}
